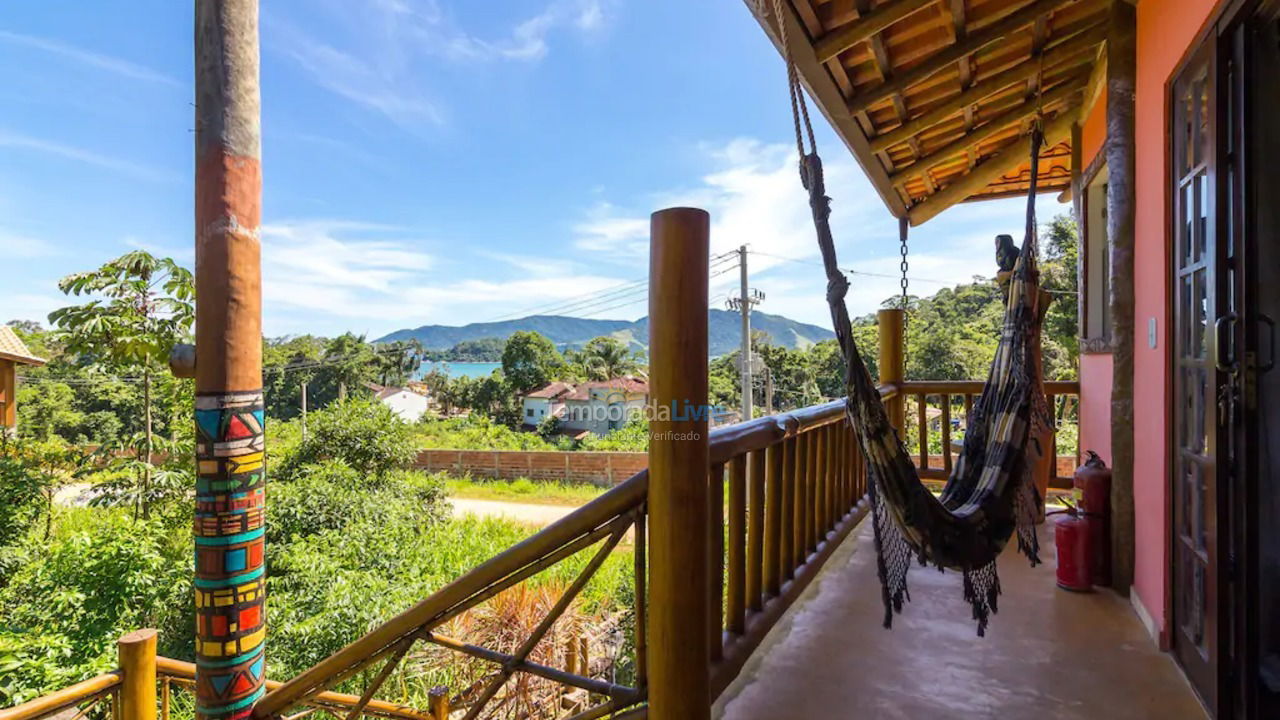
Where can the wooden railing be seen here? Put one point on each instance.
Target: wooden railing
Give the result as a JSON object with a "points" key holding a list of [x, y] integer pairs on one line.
{"points": [[953, 401], [145, 683]]}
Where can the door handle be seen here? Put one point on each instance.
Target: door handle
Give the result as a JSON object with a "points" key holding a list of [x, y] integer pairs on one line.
{"points": [[1270, 344], [1219, 338]]}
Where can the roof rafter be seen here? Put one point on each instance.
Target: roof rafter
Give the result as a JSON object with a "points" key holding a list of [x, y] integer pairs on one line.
{"points": [[841, 39], [971, 44], [1061, 54]]}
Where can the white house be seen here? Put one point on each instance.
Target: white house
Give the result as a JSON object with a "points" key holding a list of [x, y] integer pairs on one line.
{"points": [[601, 406], [406, 403], [547, 400]]}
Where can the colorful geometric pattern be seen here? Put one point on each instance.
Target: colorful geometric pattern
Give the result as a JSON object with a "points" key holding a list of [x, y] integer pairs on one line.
{"points": [[230, 581]]}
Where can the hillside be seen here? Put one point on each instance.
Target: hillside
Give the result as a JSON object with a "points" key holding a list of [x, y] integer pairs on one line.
{"points": [[724, 326]]}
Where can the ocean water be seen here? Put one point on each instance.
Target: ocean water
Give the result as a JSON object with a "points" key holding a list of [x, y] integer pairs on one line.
{"points": [[460, 369]]}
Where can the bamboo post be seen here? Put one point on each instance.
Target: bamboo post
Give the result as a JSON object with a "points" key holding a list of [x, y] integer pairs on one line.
{"points": [[737, 556], [786, 528], [228, 375], [715, 562], [679, 460], [890, 323], [773, 514], [136, 652], [799, 545], [755, 529], [438, 702]]}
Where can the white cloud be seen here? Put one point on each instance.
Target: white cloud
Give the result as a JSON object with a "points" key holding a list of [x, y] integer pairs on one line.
{"points": [[330, 276], [124, 68], [70, 152], [24, 247], [753, 193], [380, 63]]}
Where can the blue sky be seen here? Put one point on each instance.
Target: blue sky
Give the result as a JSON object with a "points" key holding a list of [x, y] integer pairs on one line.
{"points": [[441, 161]]}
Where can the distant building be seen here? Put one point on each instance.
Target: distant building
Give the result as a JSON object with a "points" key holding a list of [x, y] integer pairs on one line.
{"points": [[409, 403], [596, 407], [601, 406], [13, 352], [546, 401]]}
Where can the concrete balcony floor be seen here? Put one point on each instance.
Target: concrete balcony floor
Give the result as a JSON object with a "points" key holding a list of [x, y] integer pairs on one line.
{"points": [[1047, 655]]}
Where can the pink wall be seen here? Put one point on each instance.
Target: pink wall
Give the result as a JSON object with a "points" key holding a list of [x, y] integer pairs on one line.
{"points": [[1166, 29], [1095, 404]]}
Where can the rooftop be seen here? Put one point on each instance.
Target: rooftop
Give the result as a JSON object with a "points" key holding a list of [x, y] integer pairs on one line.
{"points": [[936, 100], [12, 348]]}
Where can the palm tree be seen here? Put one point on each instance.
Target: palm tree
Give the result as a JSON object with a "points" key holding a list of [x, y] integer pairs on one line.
{"points": [[605, 358]]}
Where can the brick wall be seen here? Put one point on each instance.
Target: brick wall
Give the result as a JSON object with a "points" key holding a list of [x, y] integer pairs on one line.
{"points": [[597, 468]]}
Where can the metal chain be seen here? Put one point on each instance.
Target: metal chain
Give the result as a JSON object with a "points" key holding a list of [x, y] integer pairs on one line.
{"points": [[902, 241]]}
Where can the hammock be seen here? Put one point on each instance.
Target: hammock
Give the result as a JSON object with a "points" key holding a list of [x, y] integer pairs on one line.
{"points": [[990, 492]]}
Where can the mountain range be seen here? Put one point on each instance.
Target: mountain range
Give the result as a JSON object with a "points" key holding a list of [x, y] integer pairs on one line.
{"points": [[569, 332]]}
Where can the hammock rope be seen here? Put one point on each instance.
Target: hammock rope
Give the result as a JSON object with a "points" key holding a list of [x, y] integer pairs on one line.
{"points": [[990, 494]]}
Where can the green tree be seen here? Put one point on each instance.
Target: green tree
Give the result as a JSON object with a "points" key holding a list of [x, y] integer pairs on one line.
{"points": [[605, 358], [142, 306], [530, 360]]}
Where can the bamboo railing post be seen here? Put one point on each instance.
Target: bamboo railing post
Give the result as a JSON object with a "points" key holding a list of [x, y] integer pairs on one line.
{"points": [[715, 562], [814, 493], [946, 433], [679, 459], [775, 463], [787, 527], [800, 541], [922, 429], [438, 702], [737, 560], [892, 364], [136, 652], [755, 529]]}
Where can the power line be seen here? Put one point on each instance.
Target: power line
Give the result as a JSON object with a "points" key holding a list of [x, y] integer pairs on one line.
{"points": [[609, 294]]}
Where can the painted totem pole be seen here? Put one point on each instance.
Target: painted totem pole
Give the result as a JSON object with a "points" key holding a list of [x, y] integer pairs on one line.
{"points": [[230, 579]]}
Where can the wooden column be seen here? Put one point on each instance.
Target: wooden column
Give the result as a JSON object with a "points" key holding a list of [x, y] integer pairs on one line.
{"points": [[679, 654], [1121, 71], [136, 653], [8, 396], [893, 369], [228, 404]]}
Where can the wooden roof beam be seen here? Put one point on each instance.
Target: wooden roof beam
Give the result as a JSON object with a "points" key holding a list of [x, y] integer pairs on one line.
{"points": [[952, 54], [1053, 57], [989, 170], [1027, 109], [833, 43]]}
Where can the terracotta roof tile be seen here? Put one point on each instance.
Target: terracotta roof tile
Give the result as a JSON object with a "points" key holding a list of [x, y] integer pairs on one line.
{"points": [[12, 348]]}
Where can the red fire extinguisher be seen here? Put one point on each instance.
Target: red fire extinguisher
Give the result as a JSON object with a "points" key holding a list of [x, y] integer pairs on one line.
{"points": [[1091, 489], [1075, 555]]}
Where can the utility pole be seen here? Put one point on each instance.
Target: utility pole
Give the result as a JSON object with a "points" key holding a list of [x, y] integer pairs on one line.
{"points": [[768, 392], [304, 410], [747, 299], [230, 575]]}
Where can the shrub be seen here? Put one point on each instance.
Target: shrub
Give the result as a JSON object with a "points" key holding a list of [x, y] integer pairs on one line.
{"points": [[98, 577], [364, 434]]}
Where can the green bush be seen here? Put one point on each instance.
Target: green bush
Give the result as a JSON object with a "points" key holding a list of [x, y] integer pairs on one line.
{"points": [[330, 495], [364, 434], [475, 432], [100, 576]]}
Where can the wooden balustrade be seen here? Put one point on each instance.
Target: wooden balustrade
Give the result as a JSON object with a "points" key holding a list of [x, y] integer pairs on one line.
{"points": [[953, 400]]}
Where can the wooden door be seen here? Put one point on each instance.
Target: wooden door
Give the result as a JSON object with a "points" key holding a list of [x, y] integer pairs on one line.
{"points": [[1201, 318]]}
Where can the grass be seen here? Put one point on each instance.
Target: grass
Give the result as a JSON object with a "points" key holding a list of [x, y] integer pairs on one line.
{"points": [[523, 490]]}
